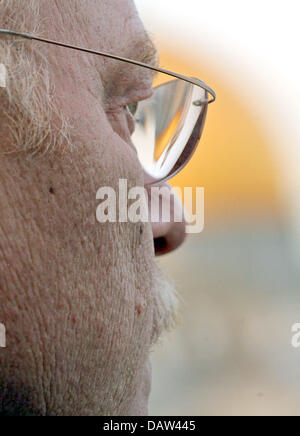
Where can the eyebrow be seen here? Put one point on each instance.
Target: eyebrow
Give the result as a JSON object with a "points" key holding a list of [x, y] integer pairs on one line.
{"points": [[148, 53], [141, 50]]}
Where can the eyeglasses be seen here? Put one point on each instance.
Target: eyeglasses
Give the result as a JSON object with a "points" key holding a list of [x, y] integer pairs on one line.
{"points": [[168, 125]]}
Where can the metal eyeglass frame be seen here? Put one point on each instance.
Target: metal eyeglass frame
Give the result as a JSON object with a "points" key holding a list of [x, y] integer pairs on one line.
{"points": [[192, 143], [192, 80]]}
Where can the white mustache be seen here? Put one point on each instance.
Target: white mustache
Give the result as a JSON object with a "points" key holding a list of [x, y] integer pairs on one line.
{"points": [[165, 316]]}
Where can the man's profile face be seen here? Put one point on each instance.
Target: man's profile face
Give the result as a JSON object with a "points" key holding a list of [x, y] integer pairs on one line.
{"points": [[82, 302]]}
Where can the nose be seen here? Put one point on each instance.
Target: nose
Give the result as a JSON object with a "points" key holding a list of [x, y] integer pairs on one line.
{"points": [[167, 219]]}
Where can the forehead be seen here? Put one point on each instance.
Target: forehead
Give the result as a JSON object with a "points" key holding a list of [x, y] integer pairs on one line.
{"points": [[111, 26], [105, 25], [114, 26]]}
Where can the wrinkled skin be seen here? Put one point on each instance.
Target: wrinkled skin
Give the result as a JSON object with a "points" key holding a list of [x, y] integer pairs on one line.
{"points": [[77, 297]]}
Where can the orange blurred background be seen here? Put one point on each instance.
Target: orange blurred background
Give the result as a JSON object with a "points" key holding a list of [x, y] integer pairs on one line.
{"points": [[231, 353], [234, 161]]}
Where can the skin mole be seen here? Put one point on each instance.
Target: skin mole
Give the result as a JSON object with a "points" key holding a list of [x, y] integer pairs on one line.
{"points": [[139, 308]]}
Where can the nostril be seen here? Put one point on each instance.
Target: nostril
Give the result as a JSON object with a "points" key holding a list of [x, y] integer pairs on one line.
{"points": [[168, 234], [170, 240], [160, 245]]}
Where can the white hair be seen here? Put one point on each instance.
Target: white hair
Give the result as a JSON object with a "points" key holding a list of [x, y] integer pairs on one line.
{"points": [[28, 116], [166, 312]]}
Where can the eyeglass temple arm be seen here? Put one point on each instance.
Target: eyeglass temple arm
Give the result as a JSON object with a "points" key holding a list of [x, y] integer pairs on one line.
{"points": [[194, 81]]}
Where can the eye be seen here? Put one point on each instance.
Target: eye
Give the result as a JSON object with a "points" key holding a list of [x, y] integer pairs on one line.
{"points": [[132, 108]]}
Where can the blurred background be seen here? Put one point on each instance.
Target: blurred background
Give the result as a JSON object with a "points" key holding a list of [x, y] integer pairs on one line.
{"points": [[239, 279]]}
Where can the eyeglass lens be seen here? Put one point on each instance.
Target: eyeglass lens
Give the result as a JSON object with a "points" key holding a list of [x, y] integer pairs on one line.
{"points": [[168, 127]]}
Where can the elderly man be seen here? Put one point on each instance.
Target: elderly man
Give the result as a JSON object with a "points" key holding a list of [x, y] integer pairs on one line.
{"points": [[83, 302]]}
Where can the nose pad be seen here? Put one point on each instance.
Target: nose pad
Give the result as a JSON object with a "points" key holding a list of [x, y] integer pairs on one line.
{"points": [[167, 235]]}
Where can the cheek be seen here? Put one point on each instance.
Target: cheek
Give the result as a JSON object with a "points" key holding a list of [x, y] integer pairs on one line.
{"points": [[120, 124], [105, 137], [86, 288]]}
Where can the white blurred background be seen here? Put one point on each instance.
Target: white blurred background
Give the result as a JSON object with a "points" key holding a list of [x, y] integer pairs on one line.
{"points": [[239, 279]]}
